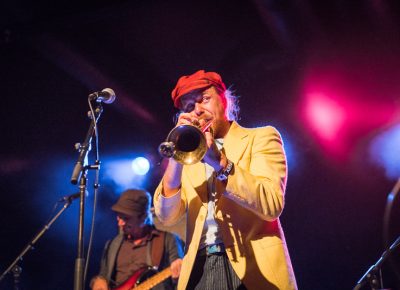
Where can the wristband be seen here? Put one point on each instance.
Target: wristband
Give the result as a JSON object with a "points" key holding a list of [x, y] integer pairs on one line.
{"points": [[224, 172]]}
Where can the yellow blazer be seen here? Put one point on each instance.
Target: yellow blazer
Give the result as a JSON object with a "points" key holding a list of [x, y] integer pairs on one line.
{"points": [[247, 209]]}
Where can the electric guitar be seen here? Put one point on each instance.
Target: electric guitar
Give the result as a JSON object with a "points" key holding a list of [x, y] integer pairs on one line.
{"points": [[145, 279]]}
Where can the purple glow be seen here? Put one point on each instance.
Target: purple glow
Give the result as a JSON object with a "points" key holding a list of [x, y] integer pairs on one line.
{"points": [[384, 150]]}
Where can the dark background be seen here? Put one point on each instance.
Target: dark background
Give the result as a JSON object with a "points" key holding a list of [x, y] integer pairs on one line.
{"points": [[53, 54]]}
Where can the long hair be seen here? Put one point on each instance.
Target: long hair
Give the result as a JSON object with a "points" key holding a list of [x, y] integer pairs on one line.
{"points": [[232, 105]]}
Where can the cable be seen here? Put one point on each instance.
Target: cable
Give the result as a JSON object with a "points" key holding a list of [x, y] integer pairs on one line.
{"points": [[96, 187]]}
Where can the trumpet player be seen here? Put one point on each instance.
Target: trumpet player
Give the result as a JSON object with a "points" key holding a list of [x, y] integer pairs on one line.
{"points": [[232, 199]]}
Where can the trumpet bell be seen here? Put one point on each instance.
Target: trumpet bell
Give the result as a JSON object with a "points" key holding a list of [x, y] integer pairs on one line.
{"points": [[185, 143]]}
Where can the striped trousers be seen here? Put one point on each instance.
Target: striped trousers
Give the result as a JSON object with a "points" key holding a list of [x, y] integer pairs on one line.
{"points": [[214, 272]]}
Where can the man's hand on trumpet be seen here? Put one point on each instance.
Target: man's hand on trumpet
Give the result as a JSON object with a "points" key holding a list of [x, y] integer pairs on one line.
{"points": [[214, 157]]}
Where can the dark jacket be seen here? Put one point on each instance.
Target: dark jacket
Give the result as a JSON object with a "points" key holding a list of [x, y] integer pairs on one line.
{"points": [[172, 250]]}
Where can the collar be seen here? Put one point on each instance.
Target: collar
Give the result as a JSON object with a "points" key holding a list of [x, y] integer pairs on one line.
{"points": [[142, 241], [219, 142]]}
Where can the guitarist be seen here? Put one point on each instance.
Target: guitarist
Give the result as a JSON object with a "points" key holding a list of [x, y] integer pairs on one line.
{"points": [[138, 245]]}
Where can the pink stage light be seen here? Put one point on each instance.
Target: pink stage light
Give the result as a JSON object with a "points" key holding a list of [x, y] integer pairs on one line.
{"points": [[344, 102], [325, 116]]}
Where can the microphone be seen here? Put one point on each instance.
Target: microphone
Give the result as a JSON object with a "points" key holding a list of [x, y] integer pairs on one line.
{"points": [[106, 96], [71, 197]]}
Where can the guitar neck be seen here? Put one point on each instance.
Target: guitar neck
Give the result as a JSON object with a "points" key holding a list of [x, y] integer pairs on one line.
{"points": [[154, 280]]}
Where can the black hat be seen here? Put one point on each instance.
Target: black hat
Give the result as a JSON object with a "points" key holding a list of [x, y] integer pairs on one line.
{"points": [[133, 202]]}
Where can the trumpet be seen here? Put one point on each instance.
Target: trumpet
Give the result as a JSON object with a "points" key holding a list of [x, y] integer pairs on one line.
{"points": [[186, 143]]}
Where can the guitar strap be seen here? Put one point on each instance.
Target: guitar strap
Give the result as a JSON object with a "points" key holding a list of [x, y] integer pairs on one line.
{"points": [[157, 248]]}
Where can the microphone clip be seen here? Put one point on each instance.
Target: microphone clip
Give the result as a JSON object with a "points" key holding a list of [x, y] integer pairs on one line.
{"points": [[71, 197]]}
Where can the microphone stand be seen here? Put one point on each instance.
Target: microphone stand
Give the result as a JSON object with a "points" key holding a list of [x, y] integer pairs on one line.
{"points": [[372, 273], [14, 267], [80, 173]]}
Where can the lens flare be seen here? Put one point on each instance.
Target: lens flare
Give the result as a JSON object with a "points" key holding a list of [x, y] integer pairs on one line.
{"points": [[140, 166]]}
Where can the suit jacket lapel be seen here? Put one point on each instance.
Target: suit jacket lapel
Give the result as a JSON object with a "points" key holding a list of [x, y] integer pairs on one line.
{"points": [[235, 142]]}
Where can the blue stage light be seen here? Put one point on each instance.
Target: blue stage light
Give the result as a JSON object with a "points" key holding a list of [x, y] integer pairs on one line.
{"points": [[140, 166], [385, 151]]}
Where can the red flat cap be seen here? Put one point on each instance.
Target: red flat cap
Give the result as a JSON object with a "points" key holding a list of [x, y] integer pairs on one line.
{"points": [[198, 80]]}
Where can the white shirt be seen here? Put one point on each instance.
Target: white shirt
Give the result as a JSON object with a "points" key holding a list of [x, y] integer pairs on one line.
{"points": [[211, 234]]}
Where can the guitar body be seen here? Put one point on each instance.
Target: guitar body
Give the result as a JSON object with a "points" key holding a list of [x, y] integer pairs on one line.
{"points": [[145, 279]]}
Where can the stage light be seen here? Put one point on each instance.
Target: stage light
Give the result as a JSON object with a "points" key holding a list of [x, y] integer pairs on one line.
{"points": [[140, 166], [326, 117], [340, 107], [125, 172], [385, 151]]}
